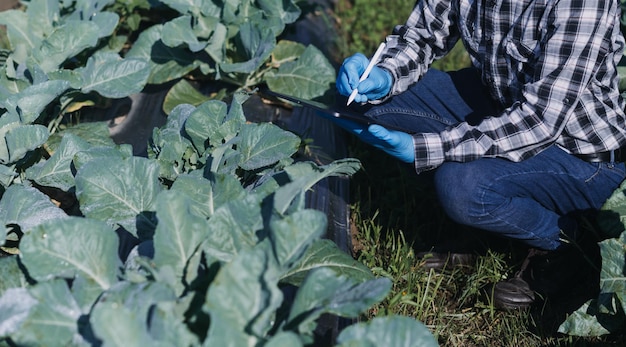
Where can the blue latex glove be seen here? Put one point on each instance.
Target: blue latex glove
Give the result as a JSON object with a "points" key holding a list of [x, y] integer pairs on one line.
{"points": [[395, 143], [374, 87]]}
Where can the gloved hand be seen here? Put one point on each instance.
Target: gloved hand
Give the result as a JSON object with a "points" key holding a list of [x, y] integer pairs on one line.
{"points": [[395, 143], [375, 86]]}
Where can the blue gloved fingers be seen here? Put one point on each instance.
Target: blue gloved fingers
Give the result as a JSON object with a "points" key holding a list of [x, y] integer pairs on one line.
{"points": [[360, 98], [382, 133], [350, 73], [395, 143], [376, 85]]}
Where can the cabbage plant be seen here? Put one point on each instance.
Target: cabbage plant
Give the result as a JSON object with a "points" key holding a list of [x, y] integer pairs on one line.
{"points": [[203, 243]]}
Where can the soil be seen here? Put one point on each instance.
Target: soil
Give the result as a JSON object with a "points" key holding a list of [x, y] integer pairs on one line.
{"points": [[8, 4]]}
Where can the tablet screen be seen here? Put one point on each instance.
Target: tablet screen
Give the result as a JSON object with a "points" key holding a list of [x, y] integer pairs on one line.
{"points": [[335, 110]]}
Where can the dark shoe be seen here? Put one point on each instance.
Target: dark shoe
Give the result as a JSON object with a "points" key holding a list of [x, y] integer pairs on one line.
{"points": [[442, 260], [572, 272], [511, 294], [516, 292], [547, 275]]}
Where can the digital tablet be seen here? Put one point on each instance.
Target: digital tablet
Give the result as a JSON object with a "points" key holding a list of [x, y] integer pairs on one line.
{"points": [[335, 110]]}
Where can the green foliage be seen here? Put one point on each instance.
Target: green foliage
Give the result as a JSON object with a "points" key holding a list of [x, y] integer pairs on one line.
{"points": [[65, 55], [195, 244], [363, 26], [606, 314], [60, 56], [394, 328], [236, 43], [171, 251]]}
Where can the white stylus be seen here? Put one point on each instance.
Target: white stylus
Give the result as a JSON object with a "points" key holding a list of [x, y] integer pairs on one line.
{"points": [[367, 71]]}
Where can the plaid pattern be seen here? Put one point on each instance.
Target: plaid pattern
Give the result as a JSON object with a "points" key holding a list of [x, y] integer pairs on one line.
{"points": [[551, 64]]}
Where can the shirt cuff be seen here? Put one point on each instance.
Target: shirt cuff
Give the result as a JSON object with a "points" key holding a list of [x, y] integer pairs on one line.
{"points": [[428, 151]]}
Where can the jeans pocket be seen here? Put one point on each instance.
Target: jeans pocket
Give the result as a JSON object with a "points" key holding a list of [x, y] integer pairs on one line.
{"points": [[615, 172]]}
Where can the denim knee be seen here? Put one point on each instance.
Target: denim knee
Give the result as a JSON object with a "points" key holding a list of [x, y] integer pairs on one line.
{"points": [[461, 193]]}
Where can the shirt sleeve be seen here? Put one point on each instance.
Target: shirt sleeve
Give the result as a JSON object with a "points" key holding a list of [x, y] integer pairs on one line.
{"points": [[576, 43], [429, 33]]}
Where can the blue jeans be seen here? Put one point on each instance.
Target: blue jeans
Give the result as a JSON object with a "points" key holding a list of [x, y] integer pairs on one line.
{"points": [[533, 201]]}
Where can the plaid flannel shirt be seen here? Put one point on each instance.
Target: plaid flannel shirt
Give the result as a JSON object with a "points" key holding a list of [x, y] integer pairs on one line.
{"points": [[551, 64]]}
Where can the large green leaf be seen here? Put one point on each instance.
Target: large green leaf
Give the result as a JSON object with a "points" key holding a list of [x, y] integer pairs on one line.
{"points": [[86, 9], [28, 207], [15, 305], [606, 313], [65, 42], [263, 144], [588, 320], [178, 234], [324, 291], [122, 152], [326, 254], [55, 316], [94, 133], [397, 331], [119, 191], [29, 103], [286, 51], [19, 140], [179, 31], [107, 23], [139, 297], [293, 234], [119, 326], [257, 44], [171, 147], [217, 46], [308, 77], [284, 339], [235, 11], [167, 324], [113, 77], [287, 11], [304, 175], [233, 228], [18, 30], [189, 31], [186, 6], [183, 93], [621, 71], [208, 125], [165, 63], [42, 16], [11, 274], [72, 247], [209, 195], [612, 216], [243, 298], [7, 175], [613, 274], [57, 171]]}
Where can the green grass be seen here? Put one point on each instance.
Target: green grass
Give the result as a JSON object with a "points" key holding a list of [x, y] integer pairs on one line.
{"points": [[363, 25], [394, 215]]}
